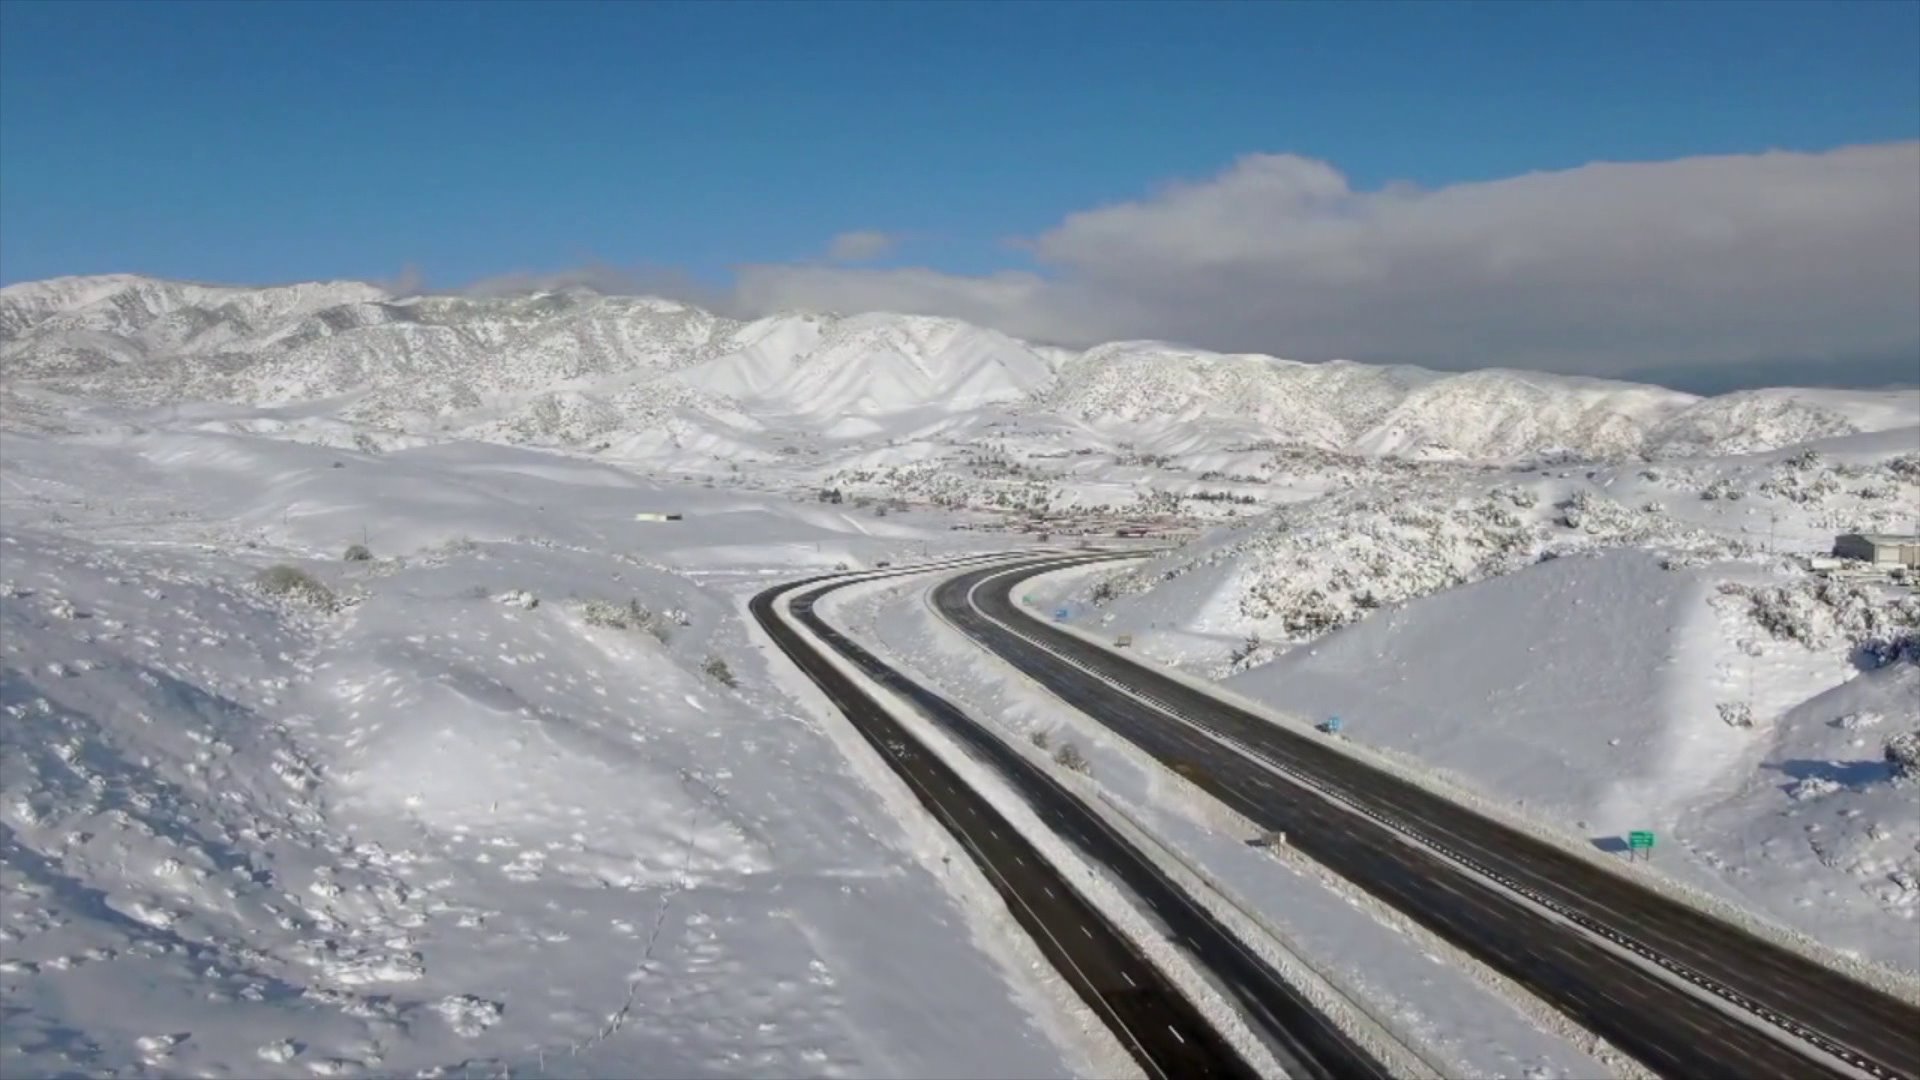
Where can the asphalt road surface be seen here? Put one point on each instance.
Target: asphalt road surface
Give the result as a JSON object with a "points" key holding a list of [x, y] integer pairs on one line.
{"points": [[1304, 1041], [1163, 1031], [1684, 993]]}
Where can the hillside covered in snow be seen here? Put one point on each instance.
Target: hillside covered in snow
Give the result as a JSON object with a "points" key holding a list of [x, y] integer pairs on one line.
{"points": [[435, 761], [577, 368], [1603, 648], [343, 688]]}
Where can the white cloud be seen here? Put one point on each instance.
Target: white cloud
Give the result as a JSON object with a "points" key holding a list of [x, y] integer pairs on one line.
{"points": [[1603, 269], [860, 245]]}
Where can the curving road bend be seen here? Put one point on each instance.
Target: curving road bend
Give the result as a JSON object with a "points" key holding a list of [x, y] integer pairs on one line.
{"points": [[1685, 993], [1306, 1042], [1163, 1031]]}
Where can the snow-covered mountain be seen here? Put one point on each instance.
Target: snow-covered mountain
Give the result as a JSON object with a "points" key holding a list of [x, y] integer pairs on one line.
{"points": [[870, 364], [573, 366]]}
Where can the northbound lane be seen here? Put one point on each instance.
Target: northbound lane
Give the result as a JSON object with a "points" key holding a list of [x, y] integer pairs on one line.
{"points": [[1657, 978]]}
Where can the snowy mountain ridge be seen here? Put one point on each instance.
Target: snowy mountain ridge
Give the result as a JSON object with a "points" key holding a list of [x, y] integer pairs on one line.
{"points": [[571, 365]]}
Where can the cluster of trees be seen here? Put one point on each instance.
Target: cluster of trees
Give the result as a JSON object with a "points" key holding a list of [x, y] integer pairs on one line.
{"points": [[1223, 497]]}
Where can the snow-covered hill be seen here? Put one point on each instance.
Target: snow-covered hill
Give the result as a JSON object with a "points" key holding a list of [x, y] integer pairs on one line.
{"points": [[514, 795], [457, 807], [576, 367], [870, 364], [1607, 693], [1602, 648]]}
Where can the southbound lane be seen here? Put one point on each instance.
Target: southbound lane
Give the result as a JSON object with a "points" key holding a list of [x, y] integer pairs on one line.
{"points": [[1163, 1031]]}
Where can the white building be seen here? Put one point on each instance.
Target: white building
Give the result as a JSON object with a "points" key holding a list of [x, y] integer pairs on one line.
{"points": [[1880, 549]]}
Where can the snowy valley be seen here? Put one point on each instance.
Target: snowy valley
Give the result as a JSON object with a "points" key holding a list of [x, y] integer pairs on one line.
{"points": [[357, 719]]}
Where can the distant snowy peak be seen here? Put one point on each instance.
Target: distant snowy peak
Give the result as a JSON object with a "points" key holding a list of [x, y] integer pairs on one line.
{"points": [[129, 305], [1502, 415], [867, 365], [1750, 421], [1145, 383], [76, 326], [576, 364]]}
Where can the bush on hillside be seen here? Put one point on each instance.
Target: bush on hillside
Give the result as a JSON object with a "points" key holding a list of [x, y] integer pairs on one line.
{"points": [[632, 615], [1822, 612], [1735, 714], [1903, 752], [296, 584]]}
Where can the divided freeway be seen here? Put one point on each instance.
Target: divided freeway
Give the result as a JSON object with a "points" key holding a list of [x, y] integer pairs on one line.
{"points": [[1163, 1031], [1306, 1043], [1683, 992]]}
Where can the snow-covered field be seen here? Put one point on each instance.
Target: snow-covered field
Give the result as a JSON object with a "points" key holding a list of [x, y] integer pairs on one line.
{"points": [[435, 819], [1600, 648], [519, 792]]}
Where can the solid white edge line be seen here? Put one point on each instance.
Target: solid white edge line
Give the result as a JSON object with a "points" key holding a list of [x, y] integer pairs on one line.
{"points": [[1759, 1022], [781, 612]]}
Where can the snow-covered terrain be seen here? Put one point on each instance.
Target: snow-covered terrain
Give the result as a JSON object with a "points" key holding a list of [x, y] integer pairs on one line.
{"points": [[513, 789], [512, 794], [1451, 1012], [574, 367], [1601, 648]]}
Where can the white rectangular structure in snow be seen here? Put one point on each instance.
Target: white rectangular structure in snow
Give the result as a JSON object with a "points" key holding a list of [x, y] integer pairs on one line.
{"points": [[1881, 549]]}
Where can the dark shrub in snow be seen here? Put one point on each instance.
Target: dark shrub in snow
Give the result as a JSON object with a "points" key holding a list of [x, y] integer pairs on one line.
{"points": [[1070, 757], [296, 584], [1903, 751]]}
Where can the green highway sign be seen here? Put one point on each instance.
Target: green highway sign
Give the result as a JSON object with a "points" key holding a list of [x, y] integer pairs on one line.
{"points": [[1640, 843]]}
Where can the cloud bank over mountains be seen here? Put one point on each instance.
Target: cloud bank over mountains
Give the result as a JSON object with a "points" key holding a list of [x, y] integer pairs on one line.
{"points": [[1704, 273], [1700, 266]]}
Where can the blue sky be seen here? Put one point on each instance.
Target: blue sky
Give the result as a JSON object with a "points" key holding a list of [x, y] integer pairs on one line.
{"points": [[273, 142]]}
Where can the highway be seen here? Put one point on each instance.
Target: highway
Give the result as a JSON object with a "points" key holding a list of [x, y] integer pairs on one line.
{"points": [[1684, 993], [1305, 1042], [1147, 1013]]}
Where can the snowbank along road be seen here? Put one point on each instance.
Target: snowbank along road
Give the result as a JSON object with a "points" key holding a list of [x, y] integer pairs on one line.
{"points": [[1305, 1041], [1683, 992], [1163, 1031]]}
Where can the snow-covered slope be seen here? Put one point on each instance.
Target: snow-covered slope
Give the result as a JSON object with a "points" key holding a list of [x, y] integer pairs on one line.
{"points": [[1604, 648], [1506, 415], [872, 364], [1148, 383], [1589, 692], [1749, 421], [456, 808], [576, 367]]}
